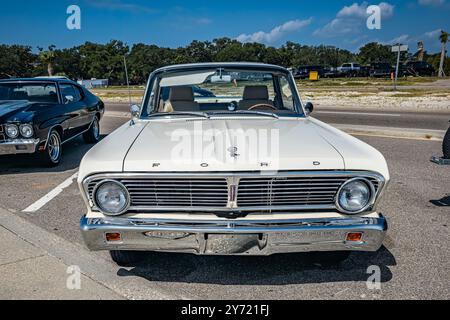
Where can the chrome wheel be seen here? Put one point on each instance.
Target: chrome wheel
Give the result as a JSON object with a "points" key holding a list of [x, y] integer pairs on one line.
{"points": [[54, 147], [96, 129]]}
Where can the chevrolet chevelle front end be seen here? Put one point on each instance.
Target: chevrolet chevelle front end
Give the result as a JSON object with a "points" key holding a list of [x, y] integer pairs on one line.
{"points": [[319, 192]]}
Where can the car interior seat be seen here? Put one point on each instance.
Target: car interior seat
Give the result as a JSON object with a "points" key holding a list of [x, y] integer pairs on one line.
{"points": [[20, 95], [254, 95], [182, 99]]}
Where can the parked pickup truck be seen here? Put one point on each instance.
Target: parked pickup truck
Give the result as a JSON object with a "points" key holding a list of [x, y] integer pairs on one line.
{"points": [[350, 69]]}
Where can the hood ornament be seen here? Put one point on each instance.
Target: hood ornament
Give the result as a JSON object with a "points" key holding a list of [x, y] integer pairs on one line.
{"points": [[234, 152]]}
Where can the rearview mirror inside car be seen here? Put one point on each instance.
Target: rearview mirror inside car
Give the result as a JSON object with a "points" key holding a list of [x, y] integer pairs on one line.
{"points": [[221, 79]]}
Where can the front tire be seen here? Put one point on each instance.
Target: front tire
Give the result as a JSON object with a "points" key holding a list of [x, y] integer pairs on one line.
{"points": [[127, 258], [92, 136], [446, 145], [51, 157]]}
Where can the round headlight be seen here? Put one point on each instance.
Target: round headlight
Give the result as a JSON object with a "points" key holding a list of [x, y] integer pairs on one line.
{"points": [[12, 131], [112, 198], [26, 130], [355, 196]]}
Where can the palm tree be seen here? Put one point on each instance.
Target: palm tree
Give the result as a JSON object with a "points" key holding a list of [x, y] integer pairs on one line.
{"points": [[48, 58], [444, 39]]}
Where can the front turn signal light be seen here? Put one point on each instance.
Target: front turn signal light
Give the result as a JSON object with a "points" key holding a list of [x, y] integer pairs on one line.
{"points": [[355, 237], [113, 237]]}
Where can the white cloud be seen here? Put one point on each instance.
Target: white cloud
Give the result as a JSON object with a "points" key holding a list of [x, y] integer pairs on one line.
{"points": [[351, 19], [403, 39], [430, 38], [121, 6], [434, 3], [433, 34], [203, 21], [276, 33]]}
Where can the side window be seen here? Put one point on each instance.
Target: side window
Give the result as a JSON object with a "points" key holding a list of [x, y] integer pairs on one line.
{"points": [[78, 94], [69, 93], [286, 94]]}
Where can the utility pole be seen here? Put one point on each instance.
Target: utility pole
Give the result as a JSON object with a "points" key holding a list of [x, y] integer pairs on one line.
{"points": [[399, 48], [126, 75]]}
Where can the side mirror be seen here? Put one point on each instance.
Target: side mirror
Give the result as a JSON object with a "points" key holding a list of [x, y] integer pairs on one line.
{"points": [[309, 108], [135, 111], [68, 99]]}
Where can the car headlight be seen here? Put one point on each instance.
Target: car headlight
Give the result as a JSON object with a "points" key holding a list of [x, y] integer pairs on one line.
{"points": [[355, 196], [111, 197], [12, 131], [26, 130]]}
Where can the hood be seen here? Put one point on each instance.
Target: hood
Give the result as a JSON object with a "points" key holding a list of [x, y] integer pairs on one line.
{"points": [[108, 154], [231, 145], [10, 108]]}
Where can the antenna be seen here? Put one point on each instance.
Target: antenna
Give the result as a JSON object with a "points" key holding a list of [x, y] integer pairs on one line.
{"points": [[126, 75]]}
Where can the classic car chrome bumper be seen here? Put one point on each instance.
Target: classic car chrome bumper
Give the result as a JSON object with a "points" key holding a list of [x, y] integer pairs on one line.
{"points": [[234, 237], [19, 146]]}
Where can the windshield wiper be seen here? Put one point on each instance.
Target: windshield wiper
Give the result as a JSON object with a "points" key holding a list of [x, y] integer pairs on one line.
{"points": [[259, 113], [169, 114]]}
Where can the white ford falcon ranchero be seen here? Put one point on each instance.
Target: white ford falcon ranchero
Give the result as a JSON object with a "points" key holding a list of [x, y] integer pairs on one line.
{"points": [[224, 159]]}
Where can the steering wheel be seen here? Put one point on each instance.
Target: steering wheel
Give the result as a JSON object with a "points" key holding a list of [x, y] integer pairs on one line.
{"points": [[263, 105]]}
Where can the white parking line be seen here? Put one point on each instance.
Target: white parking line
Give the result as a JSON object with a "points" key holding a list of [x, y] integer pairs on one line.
{"points": [[51, 195], [362, 113]]}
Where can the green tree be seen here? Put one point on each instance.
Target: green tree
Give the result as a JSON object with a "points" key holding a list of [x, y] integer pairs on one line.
{"points": [[144, 59], [375, 52], [104, 61], [443, 38], [48, 58], [16, 61]]}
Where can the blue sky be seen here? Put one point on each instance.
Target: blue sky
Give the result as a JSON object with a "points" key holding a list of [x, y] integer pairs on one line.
{"points": [[176, 23]]}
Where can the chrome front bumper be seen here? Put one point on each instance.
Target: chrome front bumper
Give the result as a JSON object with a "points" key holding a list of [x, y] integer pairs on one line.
{"points": [[235, 237], [21, 146]]}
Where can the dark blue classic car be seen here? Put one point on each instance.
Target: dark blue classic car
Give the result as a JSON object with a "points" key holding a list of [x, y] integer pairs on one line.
{"points": [[39, 115]]}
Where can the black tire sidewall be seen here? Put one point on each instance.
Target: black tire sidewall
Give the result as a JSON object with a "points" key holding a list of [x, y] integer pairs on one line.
{"points": [[89, 136], [127, 258], [446, 145], [45, 156]]}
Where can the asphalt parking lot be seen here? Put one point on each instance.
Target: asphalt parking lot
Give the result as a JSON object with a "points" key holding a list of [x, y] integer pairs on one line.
{"points": [[414, 262]]}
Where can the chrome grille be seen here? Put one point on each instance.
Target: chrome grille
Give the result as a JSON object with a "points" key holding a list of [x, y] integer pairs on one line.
{"points": [[2, 134], [291, 191], [174, 192], [233, 192], [288, 191]]}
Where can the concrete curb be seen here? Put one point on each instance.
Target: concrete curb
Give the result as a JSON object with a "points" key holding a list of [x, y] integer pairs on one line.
{"points": [[388, 132], [93, 266]]}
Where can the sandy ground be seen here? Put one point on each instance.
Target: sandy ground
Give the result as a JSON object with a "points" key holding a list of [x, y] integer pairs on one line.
{"points": [[382, 100]]}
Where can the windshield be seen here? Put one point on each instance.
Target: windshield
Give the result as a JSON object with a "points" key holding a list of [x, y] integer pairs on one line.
{"points": [[223, 92], [35, 92]]}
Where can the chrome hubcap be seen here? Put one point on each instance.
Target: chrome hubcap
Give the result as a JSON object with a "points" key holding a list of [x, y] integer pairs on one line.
{"points": [[96, 129], [54, 147]]}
